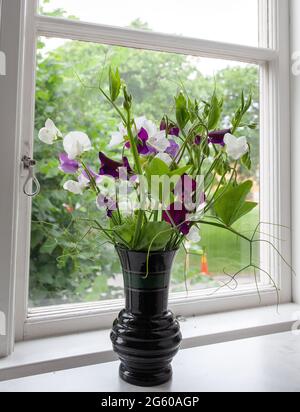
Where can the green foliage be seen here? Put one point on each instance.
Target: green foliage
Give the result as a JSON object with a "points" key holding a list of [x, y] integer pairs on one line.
{"points": [[215, 111], [64, 271], [155, 234], [182, 111], [114, 84], [232, 205]]}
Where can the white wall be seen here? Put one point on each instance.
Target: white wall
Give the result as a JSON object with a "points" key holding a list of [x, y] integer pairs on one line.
{"points": [[295, 113]]}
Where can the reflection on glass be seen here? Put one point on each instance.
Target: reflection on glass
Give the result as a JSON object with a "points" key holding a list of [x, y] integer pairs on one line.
{"points": [[64, 270], [232, 21]]}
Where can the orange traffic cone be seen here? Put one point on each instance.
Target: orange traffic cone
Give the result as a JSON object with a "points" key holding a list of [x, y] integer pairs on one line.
{"points": [[204, 265]]}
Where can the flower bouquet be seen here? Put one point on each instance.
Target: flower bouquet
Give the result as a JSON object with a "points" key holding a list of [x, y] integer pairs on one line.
{"points": [[171, 179]]}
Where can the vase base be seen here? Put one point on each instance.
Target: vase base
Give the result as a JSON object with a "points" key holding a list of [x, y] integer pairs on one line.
{"points": [[145, 380]]}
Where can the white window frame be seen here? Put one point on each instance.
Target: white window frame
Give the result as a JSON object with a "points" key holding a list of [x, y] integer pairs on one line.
{"points": [[273, 58]]}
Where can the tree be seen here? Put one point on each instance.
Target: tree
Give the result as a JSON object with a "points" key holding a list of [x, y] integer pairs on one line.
{"points": [[66, 91]]}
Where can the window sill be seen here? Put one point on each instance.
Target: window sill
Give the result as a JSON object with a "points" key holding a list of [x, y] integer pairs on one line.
{"points": [[73, 351]]}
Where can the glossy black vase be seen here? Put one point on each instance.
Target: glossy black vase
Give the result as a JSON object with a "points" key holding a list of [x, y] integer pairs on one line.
{"points": [[146, 336]]}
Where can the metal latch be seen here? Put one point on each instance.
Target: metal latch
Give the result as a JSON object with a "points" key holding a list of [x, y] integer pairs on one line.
{"points": [[31, 181]]}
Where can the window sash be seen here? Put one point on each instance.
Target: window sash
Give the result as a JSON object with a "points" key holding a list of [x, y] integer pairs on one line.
{"points": [[275, 188]]}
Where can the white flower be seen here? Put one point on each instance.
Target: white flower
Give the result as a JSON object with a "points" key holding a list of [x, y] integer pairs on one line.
{"points": [[77, 188], [118, 137], [165, 158], [198, 215], [150, 127], [194, 235], [49, 133], [74, 187], [107, 185], [76, 143], [236, 147], [139, 123], [159, 142]]}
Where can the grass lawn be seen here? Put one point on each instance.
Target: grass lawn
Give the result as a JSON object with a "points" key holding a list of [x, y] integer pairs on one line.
{"points": [[224, 251]]}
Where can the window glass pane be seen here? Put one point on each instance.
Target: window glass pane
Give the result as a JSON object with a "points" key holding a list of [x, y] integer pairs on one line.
{"points": [[232, 21], [69, 262]]}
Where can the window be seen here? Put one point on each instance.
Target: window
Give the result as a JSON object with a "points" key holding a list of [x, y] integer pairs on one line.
{"points": [[75, 39]]}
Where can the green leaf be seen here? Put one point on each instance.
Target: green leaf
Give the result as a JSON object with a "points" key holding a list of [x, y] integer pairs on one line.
{"points": [[125, 233], [156, 235], [179, 172], [157, 168], [182, 111], [215, 113], [114, 84], [48, 247], [232, 204], [246, 160]]}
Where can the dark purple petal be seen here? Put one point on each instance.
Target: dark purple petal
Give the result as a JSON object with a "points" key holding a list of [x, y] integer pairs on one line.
{"points": [[127, 166], [142, 147], [198, 140], [143, 135], [185, 187], [67, 165], [109, 167], [174, 131], [177, 215], [217, 137], [163, 125], [173, 149]]}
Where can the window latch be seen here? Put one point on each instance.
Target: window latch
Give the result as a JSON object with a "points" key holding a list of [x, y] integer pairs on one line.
{"points": [[31, 181]]}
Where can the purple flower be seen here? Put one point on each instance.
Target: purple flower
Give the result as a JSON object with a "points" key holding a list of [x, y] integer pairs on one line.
{"points": [[111, 168], [67, 165], [185, 187], [173, 129], [217, 137], [106, 202], [198, 140], [177, 215], [91, 173], [173, 149], [142, 146]]}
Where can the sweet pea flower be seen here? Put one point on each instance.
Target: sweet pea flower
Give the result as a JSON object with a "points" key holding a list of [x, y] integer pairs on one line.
{"points": [[159, 142], [78, 187], [103, 201], [76, 143], [177, 215], [173, 148], [198, 140], [67, 165], [118, 137], [217, 137], [236, 147], [173, 129], [193, 236], [111, 168], [49, 133]]}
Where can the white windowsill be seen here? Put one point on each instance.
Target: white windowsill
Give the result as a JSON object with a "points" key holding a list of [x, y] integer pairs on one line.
{"points": [[73, 351]]}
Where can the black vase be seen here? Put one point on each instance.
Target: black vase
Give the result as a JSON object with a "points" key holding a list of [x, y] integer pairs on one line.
{"points": [[146, 336]]}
